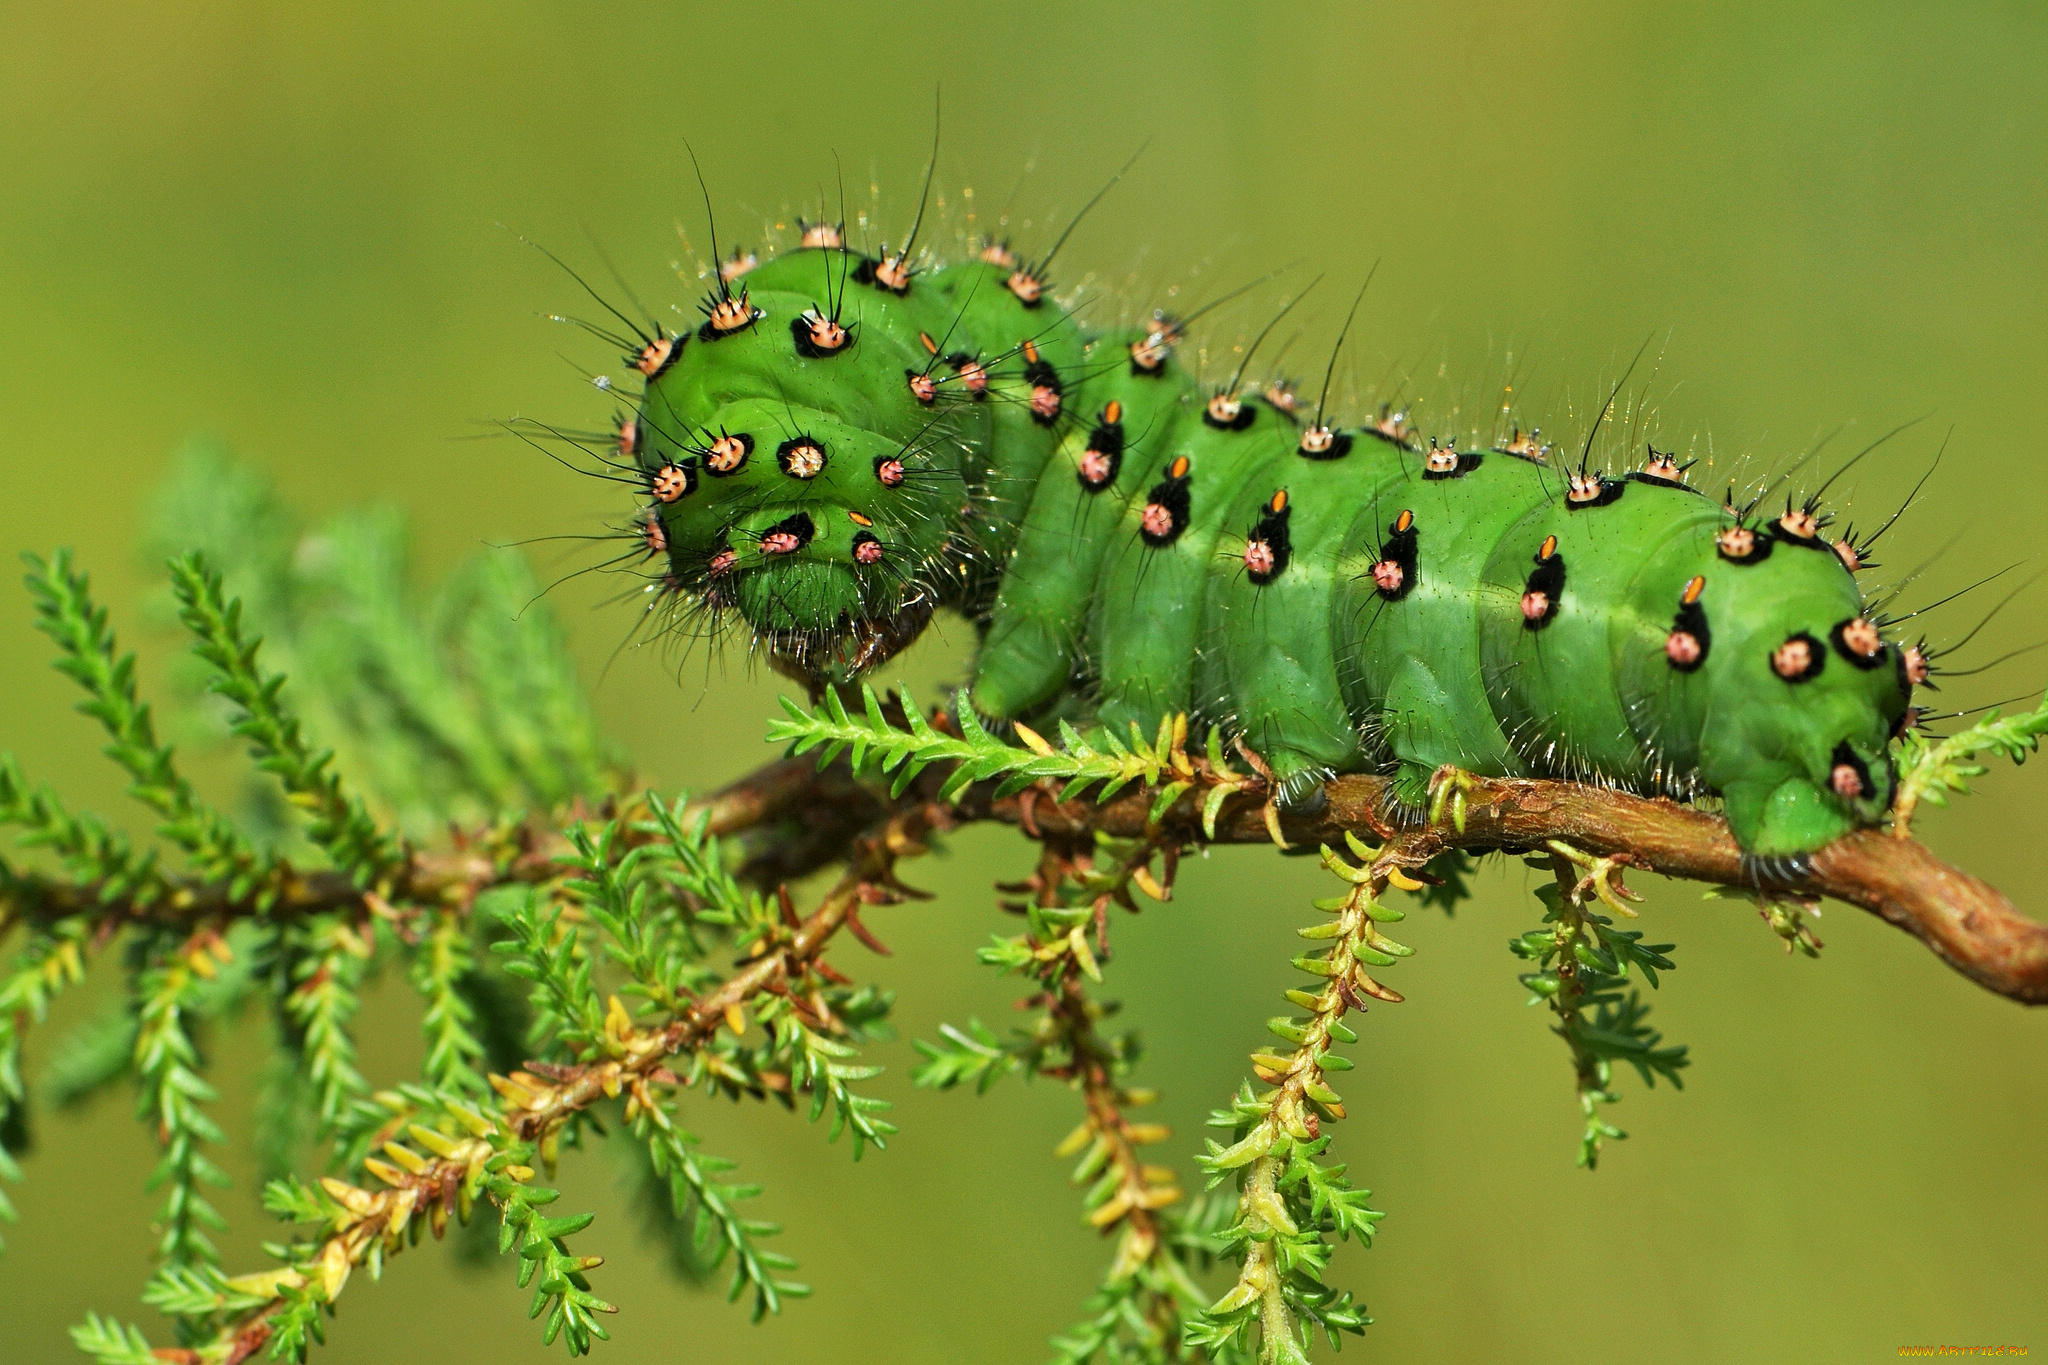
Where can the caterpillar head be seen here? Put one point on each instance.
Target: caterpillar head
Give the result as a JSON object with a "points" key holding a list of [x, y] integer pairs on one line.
{"points": [[818, 534], [806, 470]]}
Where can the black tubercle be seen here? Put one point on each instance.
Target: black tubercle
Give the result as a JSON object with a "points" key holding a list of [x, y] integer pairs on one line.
{"points": [[1779, 532], [864, 273], [1691, 619], [1339, 447], [1638, 476], [1760, 544], [796, 524], [1107, 443], [1816, 658], [1547, 578], [789, 451], [1467, 462], [746, 448], [674, 480], [1610, 491], [662, 351], [726, 313], [1246, 415], [1396, 436], [1846, 757], [1400, 548], [959, 362], [1869, 663], [1040, 375], [1271, 530], [707, 333], [807, 347], [1171, 495]]}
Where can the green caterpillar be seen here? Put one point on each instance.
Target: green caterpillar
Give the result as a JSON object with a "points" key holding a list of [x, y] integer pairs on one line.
{"points": [[850, 441]]}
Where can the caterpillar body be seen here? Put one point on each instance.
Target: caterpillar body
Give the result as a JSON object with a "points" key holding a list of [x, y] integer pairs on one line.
{"points": [[848, 442]]}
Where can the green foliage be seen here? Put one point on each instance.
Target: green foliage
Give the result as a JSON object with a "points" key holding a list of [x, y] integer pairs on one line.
{"points": [[1150, 1289], [1123, 1322], [1582, 967], [112, 1342], [1785, 914], [66, 613], [549, 953], [656, 892], [615, 895], [971, 1056], [323, 960], [1291, 1202], [561, 1289], [102, 865], [444, 960], [703, 1207], [1929, 769], [662, 956], [196, 1291], [92, 1056], [874, 744], [167, 1064], [824, 1066], [336, 821], [280, 1126], [312, 964], [52, 959], [458, 704]]}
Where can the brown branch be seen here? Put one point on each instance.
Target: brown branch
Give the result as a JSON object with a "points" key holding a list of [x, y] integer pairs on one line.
{"points": [[794, 818], [1968, 923], [1141, 1189]]}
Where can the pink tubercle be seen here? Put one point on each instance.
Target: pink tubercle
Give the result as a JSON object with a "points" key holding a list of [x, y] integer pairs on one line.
{"points": [[1847, 782]]}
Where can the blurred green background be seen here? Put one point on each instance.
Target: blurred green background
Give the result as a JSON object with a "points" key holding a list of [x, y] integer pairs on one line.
{"points": [[277, 226]]}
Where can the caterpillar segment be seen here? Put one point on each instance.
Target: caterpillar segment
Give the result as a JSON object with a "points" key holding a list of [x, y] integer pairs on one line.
{"points": [[1131, 546]]}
